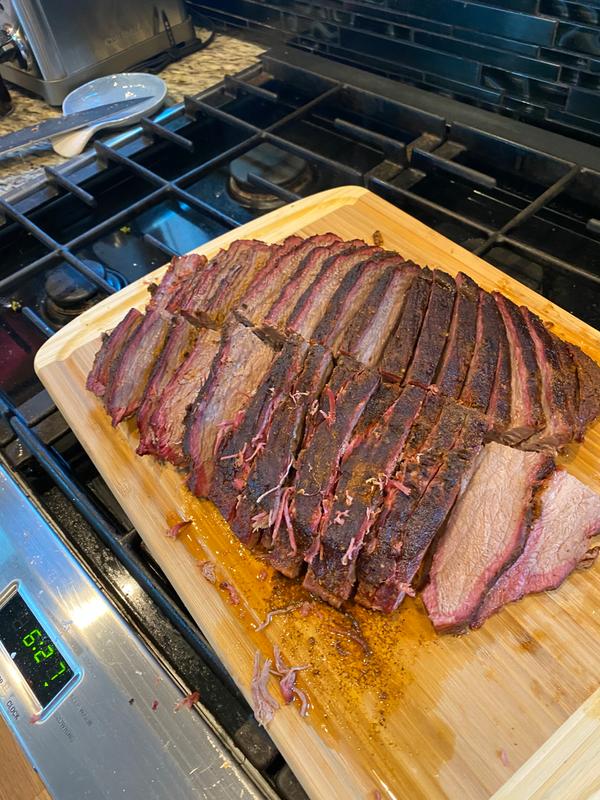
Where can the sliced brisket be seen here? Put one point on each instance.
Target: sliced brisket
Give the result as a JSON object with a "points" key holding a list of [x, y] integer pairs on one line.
{"points": [[134, 365], [453, 367], [180, 341], [257, 301], [350, 297], [557, 395], [433, 434], [500, 398], [434, 331], [167, 422], [332, 569], [235, 374], [180, 274], [263, 508], [367, 335], [315, 299], [109, 351], [526, 414], [477, 389], [306, 273], [317, 466], [588, 380], [558, 541], [486, 533], [237, 447], [399, 350]]}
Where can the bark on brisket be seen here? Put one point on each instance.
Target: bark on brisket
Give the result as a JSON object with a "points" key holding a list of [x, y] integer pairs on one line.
{"points": [[109, 351], [310, 306], [366, 337], [134, 365], [332, 571], [486, 533], [432, 436], [399, 350], [261, 506], [167, 423], [527, 415], [588, 380], [350, 297], [556, 545], [259, 298], [434, 331], [240, 446], [306, 273], [456, 360], [500, 398], [180, 274], [557, 396], [317, 466], [179, 343], [235, 374], [479, 382]]}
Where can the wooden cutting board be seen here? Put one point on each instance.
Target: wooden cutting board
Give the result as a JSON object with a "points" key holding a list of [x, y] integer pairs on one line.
{"points": [[422, 716]]}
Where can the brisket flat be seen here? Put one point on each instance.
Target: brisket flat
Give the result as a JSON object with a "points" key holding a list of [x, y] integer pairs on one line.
{"points": [[367, 335], [317, 466], [526, 414], [557, 395], [434, 432], [303, 278], [179, 276], [399, 350], [486, 533], [239, 446], [588, 380], [266, 288], [134, 365], [433, 336], [500, 398], [263, 507], [167, 423], [179, 343], [315, 299], [350, 297], [454, 365], [235, 374], [236, 279], [477, 389], [558, 541], [109, 351], [332, 570]]}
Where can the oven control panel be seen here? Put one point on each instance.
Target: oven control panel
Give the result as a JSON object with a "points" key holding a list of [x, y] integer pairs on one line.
{"points": [[91, 706]]}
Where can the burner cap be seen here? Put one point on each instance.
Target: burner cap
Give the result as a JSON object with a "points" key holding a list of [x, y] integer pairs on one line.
{"points": [[274, 165], [67, 292], [67, 287]]}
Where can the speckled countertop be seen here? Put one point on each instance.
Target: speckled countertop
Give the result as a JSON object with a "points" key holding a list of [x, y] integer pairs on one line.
{"points": [[225, 55]]}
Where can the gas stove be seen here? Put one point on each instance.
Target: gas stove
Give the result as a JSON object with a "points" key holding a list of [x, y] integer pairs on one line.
{"points": [[526, 200]]}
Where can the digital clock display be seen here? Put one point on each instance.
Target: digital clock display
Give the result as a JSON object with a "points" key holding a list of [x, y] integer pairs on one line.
{"points": [[32, 650]]}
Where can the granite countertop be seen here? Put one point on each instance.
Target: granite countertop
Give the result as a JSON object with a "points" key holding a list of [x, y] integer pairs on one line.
{"points": [[225, 55]]}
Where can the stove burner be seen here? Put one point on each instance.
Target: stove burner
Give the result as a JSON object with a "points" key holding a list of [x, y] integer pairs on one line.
{"points": [[68, 293], [272, 164]]}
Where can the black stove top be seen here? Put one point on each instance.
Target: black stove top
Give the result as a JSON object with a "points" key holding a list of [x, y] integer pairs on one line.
{"points": [[526, 200]]}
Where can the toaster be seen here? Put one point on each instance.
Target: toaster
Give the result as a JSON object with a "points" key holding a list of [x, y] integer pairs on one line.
{"points": [[50, 47]]}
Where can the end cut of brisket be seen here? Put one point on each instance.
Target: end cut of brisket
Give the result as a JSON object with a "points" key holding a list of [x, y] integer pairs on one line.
{"points": [[486, 533], [558, 542], [588, 379], [109, 351]]}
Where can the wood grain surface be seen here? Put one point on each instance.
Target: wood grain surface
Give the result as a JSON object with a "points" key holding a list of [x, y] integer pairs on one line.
{"points": [[421, 716], [18, 779]]}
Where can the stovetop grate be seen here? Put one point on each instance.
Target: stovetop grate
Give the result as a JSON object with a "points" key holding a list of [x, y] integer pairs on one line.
{"points": [[526, 200]]}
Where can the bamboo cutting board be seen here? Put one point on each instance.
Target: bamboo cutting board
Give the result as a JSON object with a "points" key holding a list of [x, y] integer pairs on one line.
{"points": [[423, 716]]}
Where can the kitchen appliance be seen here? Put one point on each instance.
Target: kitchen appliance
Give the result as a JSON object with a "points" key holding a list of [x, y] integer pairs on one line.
{"points": [[50, 48], [525, 199]]}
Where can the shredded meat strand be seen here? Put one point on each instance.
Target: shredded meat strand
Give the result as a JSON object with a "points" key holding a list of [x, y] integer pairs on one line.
{"points": [[264, 704], [188, 701], [175, 530]]}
